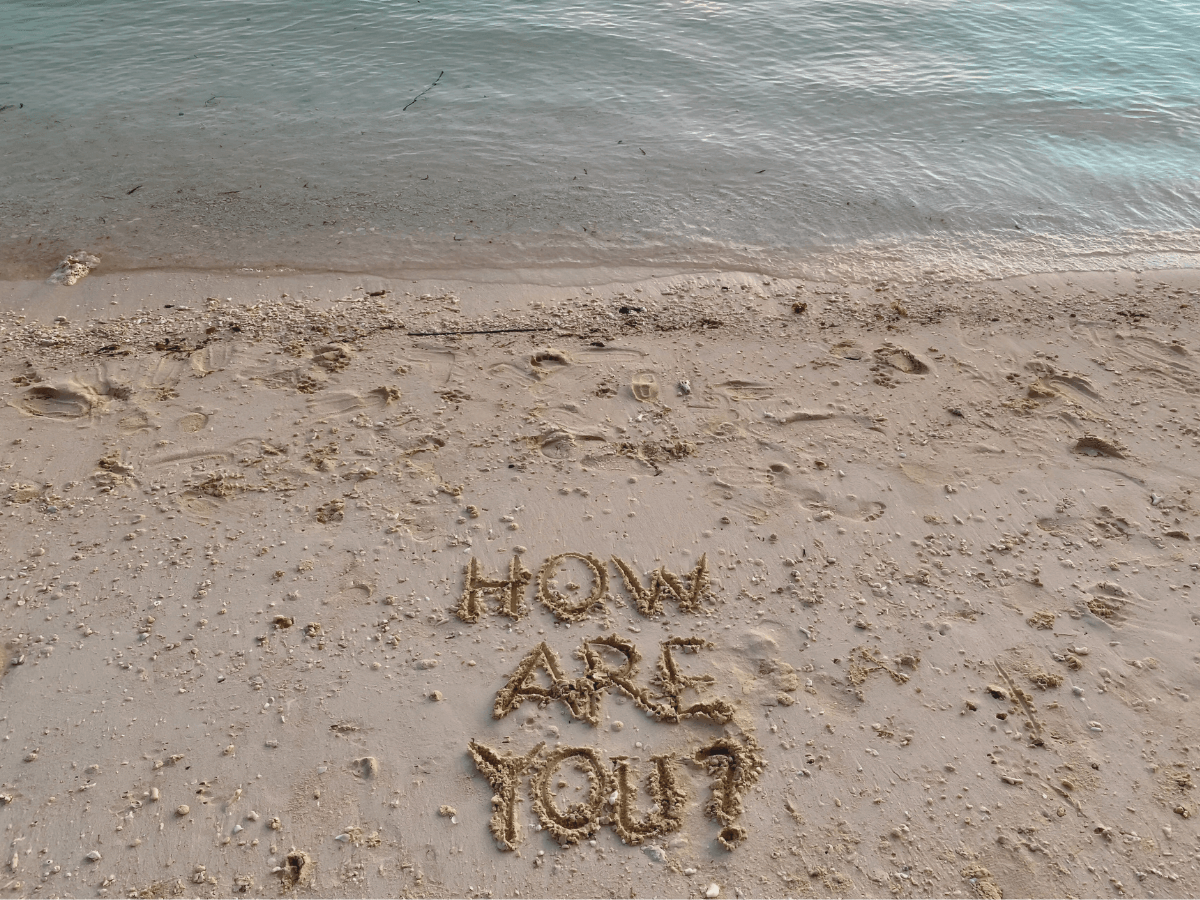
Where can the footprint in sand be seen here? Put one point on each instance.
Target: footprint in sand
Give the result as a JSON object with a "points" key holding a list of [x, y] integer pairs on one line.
{"points": [[333, 357], [547, 361], [165, 372], [60, 400], [355, 595], [134, 423], [305, 380], [745, 390], [212, 358], [904, 360], [559, 443], [846, 350], [610, 354], [644, 387], [1110, 603], [193, 422], [849, 506]]}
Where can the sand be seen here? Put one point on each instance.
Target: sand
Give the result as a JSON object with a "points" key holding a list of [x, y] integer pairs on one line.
{"points": [[694, 584]]}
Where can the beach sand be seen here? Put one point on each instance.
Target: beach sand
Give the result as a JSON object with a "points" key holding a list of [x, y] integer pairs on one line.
{"points": [[700, 584]]}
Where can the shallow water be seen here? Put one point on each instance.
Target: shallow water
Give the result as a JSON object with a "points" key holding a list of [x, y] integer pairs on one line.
{"points": [[874, 138]]}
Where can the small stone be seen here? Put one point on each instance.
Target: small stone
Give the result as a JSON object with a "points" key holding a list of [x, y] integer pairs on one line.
{"points": [[436, 696], [94, 856], [714, 890], [447, 811], [182, 810], [618, 725]]}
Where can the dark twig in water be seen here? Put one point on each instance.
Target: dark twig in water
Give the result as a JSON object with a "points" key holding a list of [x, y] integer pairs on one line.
{"points": [[131, 190], [426, 91], [478, 331]]}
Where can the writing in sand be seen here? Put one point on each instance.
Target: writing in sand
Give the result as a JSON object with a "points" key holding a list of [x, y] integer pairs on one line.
{"points": [[733, 762]]}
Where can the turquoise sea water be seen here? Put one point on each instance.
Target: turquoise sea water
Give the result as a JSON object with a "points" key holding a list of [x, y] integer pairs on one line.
{"points": [[873, 135]]}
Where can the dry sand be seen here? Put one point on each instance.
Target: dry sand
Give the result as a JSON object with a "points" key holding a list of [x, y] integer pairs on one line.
{"points": [[895, 585]]}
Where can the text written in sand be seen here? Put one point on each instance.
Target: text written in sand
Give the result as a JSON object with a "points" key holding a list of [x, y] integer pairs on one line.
{"points": [[609, 663], [509, 591]]}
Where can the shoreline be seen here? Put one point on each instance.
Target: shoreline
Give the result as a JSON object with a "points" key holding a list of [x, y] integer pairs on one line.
{"points": [[278, 566], [494, 291], [165, 246]]}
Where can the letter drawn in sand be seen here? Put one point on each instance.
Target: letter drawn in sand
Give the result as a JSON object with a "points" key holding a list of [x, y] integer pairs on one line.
{"points": [[666, 792], [504, 773], [663, 583], [579, 696], [667, 707], [560, 605], [735, 767], [698, 585], [579, 820], [648, 600], [510, 591], [675, 683], [603, 676]]}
